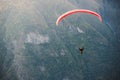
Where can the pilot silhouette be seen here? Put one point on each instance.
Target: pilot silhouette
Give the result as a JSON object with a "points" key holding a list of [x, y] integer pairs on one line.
{"points": [[81, 50]]}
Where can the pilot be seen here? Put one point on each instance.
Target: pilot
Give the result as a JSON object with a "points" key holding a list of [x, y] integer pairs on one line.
{"points": [[81, 50]]}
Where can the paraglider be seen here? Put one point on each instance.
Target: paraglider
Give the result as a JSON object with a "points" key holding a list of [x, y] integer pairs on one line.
{"points": [[78, 11]]}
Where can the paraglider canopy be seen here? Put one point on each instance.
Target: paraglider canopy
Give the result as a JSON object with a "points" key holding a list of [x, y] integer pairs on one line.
{"points": [[78, 11]]}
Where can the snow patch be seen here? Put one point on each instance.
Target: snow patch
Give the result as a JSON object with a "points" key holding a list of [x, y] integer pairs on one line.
{"points": [[79, 30], [36, 38], [62, 52]]}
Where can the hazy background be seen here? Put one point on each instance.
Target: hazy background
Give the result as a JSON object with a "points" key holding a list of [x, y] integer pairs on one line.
{"points": [[32, 47]]}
